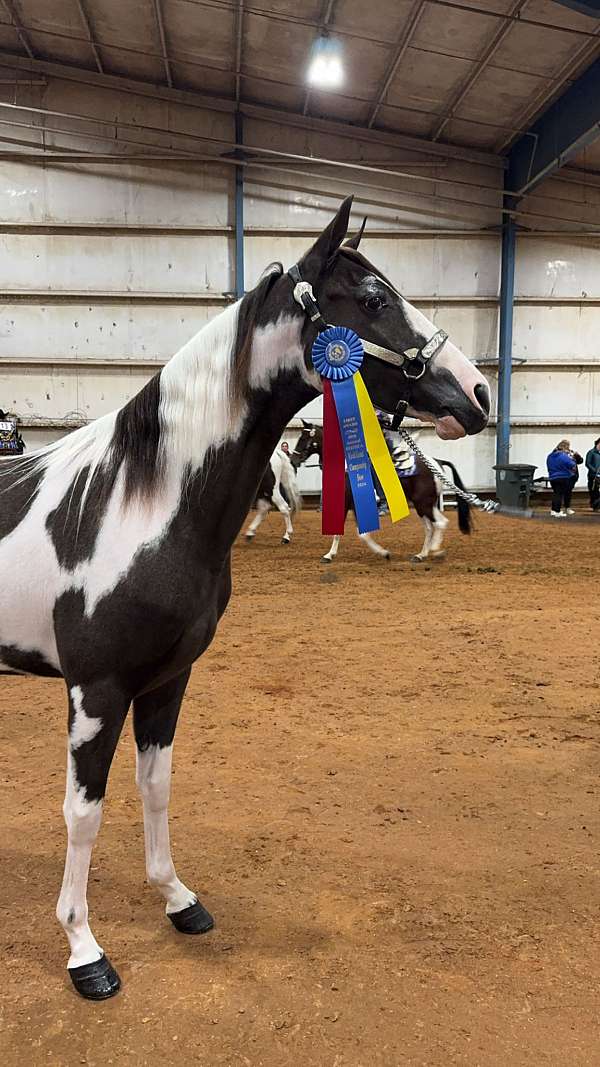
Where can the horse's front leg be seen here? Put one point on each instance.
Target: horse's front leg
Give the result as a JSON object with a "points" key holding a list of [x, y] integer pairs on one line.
{"points": [[284, 508], [262, 510], [372, 544], [423, 554], [96, 716], [440, 523], [154, 721], [333, 551]]}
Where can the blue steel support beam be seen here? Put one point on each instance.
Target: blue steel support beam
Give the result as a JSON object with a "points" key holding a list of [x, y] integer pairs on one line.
{"points": [[507, 291], [569, 124], [239, 210]]}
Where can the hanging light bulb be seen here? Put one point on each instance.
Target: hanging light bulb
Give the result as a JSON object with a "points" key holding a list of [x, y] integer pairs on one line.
{"points": [[326, 69]]}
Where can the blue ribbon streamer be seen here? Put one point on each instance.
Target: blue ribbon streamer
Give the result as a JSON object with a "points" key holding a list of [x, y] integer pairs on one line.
{"points": [[357, 458]]}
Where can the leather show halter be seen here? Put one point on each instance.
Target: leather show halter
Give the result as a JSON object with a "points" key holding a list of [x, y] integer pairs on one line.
{"points": [[412, 361]]}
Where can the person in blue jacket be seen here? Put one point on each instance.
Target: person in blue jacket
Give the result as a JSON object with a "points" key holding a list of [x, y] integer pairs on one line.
{"points": [[562, 472], [592, 462]]}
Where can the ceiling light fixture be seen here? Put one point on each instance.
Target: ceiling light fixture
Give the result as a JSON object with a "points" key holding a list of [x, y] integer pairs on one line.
{"points": [[326, 70]]}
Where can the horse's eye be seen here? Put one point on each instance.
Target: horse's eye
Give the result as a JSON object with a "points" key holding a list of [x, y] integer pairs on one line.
{"points": [[374, 303]]}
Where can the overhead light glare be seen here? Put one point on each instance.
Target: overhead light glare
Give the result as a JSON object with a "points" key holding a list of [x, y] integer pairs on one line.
{"points": [[326, 70]]}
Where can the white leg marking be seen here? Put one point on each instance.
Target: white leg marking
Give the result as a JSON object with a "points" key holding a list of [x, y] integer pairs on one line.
{"points": [[285, 510], [333, 551], [83, 820], [423, 554], [262, 509], [153, 777], [377, 549], [440, 523]]}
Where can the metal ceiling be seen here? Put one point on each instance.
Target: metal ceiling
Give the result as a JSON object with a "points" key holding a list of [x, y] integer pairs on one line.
{"points": [[472, 74]]}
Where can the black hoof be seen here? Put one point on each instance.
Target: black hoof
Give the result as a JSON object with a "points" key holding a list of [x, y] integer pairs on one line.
{"points": [[285, 540], [193, 920], [96, 981]]}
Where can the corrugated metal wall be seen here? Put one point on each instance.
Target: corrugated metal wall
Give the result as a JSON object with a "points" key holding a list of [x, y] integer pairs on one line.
{"points": [[106, 269]]}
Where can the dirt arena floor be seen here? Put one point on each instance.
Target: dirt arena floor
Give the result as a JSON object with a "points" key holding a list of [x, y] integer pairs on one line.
{"points": [[386, 790]]}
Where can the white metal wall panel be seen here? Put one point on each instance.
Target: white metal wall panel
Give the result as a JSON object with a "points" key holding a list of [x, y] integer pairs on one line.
{"points": [[142, 264], [169, 195], [57, 392], [107, 331], [417, 266], [557, 332], [558, 267]]}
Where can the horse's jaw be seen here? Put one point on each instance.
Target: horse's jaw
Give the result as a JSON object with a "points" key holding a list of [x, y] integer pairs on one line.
{"points": [[447, 427]]}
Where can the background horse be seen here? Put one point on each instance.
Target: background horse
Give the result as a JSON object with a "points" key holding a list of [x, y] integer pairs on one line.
{"points": [[279, 487], [115, 542], [422, 489]]}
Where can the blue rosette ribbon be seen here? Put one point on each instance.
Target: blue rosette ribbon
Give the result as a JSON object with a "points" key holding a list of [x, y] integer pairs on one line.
{"points": [[337, 356]]}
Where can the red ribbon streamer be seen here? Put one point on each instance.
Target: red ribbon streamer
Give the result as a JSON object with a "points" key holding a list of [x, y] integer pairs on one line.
{"points": [[334, 468]]}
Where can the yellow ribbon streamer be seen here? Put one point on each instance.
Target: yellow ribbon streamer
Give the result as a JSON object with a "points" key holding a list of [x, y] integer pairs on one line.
{"points": [[379, 453]]}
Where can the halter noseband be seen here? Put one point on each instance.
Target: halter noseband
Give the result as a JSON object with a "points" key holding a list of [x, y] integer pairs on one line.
{"points": [[412, 361]]}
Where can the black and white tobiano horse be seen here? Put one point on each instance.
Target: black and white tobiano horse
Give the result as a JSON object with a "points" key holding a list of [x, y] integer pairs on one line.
{"points": [[278, 487], [422, 489], [115, 542]]}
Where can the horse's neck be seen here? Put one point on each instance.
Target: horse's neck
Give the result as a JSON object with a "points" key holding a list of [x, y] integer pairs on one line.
{"points": [[226, 476]]}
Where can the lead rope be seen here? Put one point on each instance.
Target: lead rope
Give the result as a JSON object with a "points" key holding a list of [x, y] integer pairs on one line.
{"points": [[492, 507]]}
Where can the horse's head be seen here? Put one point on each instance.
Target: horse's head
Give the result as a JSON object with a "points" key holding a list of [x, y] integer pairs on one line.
{"points": [[443, 387], [309, 444]]}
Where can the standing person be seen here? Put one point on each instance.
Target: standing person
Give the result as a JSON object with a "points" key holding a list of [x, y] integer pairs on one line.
{"points": [[562, 472], [578, 460], [592, 462]]}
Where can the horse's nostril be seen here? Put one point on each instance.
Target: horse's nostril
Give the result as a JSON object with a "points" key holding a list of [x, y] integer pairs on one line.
{"points": [[482, 396]]}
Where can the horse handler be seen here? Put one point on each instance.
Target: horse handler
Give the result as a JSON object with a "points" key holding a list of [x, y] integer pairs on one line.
{"points": [[592, 462]]}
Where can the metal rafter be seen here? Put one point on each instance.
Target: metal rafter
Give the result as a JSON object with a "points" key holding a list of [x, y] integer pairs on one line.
{"points": [[564, 128], [264, 112], [88, 30], [588, 51], [324, 21], [163, 41], [8, 4], [405, 39], [238, 49], [481, 65]]}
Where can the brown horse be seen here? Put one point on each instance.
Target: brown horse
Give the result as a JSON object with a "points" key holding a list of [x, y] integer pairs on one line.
{"points": [[422, 489]]}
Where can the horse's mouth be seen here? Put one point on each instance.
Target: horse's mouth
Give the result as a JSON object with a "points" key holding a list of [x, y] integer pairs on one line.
{"points": [[447, 427]]}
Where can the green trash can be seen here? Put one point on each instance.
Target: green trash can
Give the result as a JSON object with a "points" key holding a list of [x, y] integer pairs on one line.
{"points": [[513, 484]]}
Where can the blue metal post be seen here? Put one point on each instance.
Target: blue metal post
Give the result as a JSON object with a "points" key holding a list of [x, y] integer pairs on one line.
{"points": [[507, 290], [239, 210]]}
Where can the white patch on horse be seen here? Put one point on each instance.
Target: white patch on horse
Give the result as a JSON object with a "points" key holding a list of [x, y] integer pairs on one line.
{"points": [[140, 524], [83, 820], [278, 347], [417, 321], [83, 727], [153, 777], [195, 391], [468, 377]]}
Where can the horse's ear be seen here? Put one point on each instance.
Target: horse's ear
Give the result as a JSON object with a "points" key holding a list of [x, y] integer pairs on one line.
{"points": [[317, 257], [353, 242], [307, 425]]}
